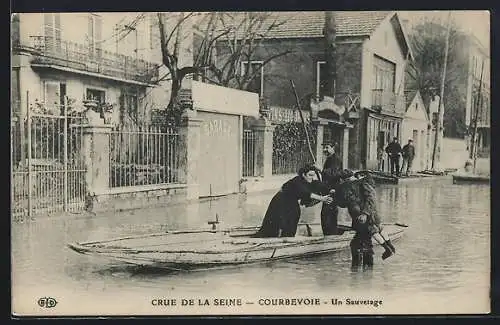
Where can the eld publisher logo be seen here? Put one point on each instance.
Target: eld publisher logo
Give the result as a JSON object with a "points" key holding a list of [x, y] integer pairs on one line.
{"points": [[47, 302]]}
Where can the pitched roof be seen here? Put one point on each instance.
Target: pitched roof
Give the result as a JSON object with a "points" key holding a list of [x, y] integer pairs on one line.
{"points": [[309, 24], [409, 96]]}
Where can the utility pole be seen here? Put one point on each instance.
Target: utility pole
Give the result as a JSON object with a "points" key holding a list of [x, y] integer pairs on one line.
{"points": [[479, 103], [438, 139]]}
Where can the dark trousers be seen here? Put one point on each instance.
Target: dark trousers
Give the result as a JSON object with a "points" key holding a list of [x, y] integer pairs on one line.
{"points": [[394, 165], [329, 219], [361, 247], [407, 162]]}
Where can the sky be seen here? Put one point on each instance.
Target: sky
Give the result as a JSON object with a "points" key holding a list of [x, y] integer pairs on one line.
{"points": [[474, 22]]}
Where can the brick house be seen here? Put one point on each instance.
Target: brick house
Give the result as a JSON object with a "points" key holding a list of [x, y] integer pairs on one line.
{"points": [[372, 50]]}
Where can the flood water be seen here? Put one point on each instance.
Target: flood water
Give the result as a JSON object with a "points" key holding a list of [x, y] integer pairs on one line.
{"points": [[442, 262]]}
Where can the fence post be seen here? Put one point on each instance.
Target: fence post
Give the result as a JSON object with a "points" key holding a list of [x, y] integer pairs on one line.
{"points": [[65, 158], [263, 130], [189, 152], [319, 143], [345, 147], [28, 125], [96, 151]]}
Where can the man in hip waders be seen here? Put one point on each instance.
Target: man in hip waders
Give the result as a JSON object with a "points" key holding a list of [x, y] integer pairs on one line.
{"points": [[357, 194]]}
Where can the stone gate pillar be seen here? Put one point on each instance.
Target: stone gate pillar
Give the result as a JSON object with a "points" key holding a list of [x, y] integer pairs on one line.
{"points": [[345, 148], [319, 144], [95, 153], [189, 152], [263, 130]]}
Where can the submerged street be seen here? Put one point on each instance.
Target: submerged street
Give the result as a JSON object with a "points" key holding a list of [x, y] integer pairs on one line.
{"points": [[444, 253]]}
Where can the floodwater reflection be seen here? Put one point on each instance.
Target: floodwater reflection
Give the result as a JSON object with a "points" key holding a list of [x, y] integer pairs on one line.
{"points": [[446, 247]]}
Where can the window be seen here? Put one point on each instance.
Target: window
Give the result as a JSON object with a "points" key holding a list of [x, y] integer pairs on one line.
{"points": [[254, 70], [96, 94], [94, 34], [321, 78], [129, 103], [384, 75], [52, 31], [54, 93]]}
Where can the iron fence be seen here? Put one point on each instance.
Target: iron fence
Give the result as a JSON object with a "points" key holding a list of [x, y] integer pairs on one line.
{"points": [[248, 153], [143, 155], [48, 174], [291, 161]]}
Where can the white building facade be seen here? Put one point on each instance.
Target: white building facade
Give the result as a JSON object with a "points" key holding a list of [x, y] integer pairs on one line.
{"points": [[113, 58]]}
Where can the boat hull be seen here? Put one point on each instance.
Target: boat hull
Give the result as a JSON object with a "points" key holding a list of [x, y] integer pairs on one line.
{"points": [[470, 179], [202, 249]]}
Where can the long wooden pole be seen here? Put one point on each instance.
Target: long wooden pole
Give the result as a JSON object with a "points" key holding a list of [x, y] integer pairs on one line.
{"points": [[478, 105], [439, 124], [303, 121]]}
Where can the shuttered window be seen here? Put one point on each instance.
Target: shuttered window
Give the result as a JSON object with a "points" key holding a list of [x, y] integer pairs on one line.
{"points": [[384, 75], [52, 94], [129, 103], [52, 31]]}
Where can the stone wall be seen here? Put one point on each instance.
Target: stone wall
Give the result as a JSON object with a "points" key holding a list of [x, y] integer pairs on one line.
{"points": [[139, 197]]}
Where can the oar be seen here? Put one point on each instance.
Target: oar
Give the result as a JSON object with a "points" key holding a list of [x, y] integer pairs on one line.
{"points": [[303, 122], [318, 174]]}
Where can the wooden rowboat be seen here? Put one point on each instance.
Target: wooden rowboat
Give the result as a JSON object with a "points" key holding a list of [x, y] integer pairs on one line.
{"points": [[470, 179], [190, 249]]}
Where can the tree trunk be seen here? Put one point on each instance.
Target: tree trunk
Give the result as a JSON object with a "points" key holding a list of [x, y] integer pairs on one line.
{"points": [[330, 33]]}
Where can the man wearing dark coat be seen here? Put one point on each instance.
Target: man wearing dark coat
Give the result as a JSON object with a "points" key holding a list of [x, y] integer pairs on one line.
{"points": [[332, 168], [393, 149], [408, 155]]}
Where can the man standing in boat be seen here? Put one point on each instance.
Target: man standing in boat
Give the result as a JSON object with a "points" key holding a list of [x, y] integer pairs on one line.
{"points": [[332, 169], [357, 194]]}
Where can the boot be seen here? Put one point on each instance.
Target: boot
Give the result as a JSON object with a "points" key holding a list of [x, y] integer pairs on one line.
{"points": [[391, 246], [357, 259], [368, 260], [388, 251]]}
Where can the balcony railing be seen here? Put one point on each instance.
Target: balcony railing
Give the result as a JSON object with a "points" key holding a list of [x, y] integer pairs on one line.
{"points": [[90, 59], [388, 101]]}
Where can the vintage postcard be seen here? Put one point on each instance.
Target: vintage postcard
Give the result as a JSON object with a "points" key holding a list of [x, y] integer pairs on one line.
{"points": [[250, 163]]}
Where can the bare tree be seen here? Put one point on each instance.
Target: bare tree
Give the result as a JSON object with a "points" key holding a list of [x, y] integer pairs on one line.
{"points": [[237, 37], [424, 73], [170, 54], [231, 37]]}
